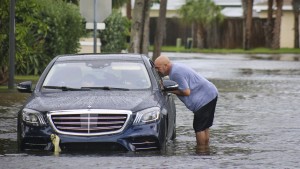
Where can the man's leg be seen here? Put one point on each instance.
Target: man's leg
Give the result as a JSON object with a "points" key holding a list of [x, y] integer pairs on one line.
{"points": [[207, 135], [202, 137]]}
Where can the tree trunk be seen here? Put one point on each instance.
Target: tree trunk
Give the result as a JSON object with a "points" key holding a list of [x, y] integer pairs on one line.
{"points": [[128, 9], [276, 38], [268, 27], [160, 29], [200, 36], [139, 40], [145, 42], [296, 5], [3, 75], [248, 8]]}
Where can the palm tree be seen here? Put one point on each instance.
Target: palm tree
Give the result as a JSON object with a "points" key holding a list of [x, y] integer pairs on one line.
{"points": [[160, 29], [200, 13], [296, 5], [276, 38], [248, 8]]}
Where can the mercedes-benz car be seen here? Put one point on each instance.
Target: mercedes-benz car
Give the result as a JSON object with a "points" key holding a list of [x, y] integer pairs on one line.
{"points": [[98, 101]]}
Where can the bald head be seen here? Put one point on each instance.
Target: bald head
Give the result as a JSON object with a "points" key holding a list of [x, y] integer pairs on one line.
{"points": [[163, 65], [162, 60]]}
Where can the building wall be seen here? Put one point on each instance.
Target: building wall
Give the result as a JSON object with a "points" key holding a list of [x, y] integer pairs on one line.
{"points": [[229, 34], [286, 30]]}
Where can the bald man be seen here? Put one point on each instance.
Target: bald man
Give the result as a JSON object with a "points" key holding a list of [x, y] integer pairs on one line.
{"points": [[197, 93]]}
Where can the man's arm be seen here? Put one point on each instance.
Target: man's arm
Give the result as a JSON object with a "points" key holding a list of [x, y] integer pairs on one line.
{"points": [[185, 92]]}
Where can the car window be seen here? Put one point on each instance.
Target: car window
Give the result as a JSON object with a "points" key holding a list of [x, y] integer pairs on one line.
{"points": [[104, 73]]}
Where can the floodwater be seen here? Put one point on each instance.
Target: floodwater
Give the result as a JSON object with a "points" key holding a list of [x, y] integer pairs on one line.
{"points": [[256, 122]]}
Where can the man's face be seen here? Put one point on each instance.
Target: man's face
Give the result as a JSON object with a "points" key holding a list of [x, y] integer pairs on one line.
{"points": [[161, 68]]}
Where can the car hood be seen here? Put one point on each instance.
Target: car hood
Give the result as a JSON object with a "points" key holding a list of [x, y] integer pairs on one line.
{"points": [[121, 100]]}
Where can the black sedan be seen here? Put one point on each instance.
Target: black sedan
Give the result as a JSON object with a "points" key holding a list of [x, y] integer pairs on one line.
{"points": [[98, 101]]}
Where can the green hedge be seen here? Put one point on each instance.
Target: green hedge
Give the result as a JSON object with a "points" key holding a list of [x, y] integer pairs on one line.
{"points": [[44, 29], [114, 36]]}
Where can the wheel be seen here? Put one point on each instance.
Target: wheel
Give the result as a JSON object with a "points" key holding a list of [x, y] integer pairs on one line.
{"points": [[165, 139], [20, 141], [173, 133]]}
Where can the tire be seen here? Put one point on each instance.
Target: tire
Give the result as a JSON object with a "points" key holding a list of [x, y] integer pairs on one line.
{"points": [[164, 144], [173, 134], [20, 141]]}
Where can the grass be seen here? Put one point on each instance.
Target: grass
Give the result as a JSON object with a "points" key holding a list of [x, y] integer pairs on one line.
{"points": [[230, 51]]}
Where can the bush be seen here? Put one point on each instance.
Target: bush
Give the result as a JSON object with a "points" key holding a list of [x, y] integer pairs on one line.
{"points": [[114, 37], [44, 29], [65, 27]]}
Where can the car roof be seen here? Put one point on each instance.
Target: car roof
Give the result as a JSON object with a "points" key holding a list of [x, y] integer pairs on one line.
{"points": [[74, 57]]}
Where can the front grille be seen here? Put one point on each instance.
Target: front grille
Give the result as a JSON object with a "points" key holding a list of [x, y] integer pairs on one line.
{"points": [[90, 122]]}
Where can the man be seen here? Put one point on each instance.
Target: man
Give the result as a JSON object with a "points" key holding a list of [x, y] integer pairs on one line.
{"points": [[197, 93]]}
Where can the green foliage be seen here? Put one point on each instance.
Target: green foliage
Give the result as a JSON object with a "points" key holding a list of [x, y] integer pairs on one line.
{"points": [[4, 31], [44, 29], [29, 34], [114, 37], [201, 12], [118, 3], [65, 27]]}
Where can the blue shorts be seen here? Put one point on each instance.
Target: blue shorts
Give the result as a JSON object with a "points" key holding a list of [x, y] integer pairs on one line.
{"points": [[204, 117]]}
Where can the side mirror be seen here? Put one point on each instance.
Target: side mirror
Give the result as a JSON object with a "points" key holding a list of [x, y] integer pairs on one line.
{"points": [[170, 85], [25, 87]]}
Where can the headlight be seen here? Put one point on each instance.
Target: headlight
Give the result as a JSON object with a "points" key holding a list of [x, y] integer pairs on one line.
{"points": [[33, 117], [147, 116]]}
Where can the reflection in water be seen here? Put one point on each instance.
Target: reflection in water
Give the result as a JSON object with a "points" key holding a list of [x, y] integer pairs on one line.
{"points": [[256, 122]]}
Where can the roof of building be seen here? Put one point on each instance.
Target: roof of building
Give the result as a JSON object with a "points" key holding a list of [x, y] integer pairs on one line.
{"points": [[231, 8]]}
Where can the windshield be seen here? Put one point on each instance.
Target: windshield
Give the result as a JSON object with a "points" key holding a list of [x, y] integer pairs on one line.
{"points": [[104, 74]]}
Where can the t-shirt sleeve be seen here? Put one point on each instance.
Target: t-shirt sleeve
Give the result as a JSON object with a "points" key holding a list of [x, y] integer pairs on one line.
{"points": [[182, 82]]}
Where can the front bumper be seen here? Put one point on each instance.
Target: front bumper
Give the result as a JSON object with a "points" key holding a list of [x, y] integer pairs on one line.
{"points": [[132, 138]]}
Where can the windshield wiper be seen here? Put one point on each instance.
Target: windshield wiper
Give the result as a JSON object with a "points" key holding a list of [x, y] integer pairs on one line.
{"points": [[63, 88], [106, 88]]}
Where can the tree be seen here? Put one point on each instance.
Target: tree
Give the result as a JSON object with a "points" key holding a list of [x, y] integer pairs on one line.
{"points": [[114, 37], [139, 39], [248, 9], [160, 29], [43, 30], [128, 9], [276, 38], [29, 35], [296, 6], [268, 27], [118, 3], [200, 13]]}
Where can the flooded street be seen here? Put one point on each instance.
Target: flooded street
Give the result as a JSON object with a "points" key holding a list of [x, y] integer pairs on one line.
{"points": [[256, 122]]}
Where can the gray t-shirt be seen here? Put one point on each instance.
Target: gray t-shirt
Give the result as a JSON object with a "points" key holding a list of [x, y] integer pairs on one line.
{"points": [[202, 91]]}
